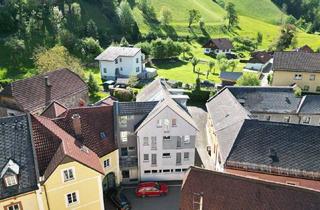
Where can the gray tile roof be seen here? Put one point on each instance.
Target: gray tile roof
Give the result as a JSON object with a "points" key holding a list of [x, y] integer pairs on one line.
{"points": [[310, 104], [296, 61], [155, 91], [267, 99], [16, 145], [221, 44], [135, 108], [111, 53], [233, 76], [227, 117], [280, 148]]}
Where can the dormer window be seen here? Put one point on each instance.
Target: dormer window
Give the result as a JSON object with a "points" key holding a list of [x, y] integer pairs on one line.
{"points": [[103, 135], [11, 180]]}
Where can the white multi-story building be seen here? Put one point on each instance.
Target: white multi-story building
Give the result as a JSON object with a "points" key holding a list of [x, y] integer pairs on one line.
{"points": [[121, 62], [166, 142]]}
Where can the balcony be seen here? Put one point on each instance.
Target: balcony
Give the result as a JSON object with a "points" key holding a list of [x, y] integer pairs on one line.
{"points": [[128, 162]]}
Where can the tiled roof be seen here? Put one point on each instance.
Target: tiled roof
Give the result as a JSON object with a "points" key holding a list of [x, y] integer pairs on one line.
{"points": [[108, 101], [222, 44], [260, 57], [135, 108], [111, 53], [310, 104], [305, 48], [229, 192], [155, 91], [16, 145], [50, 154], [279, 148], [296, 61], [54, 110], [227, 116], [96, 127], [267, 99], [32, 93], [233, 76]]}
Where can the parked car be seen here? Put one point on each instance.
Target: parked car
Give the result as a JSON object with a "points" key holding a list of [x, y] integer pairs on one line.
{"points": [[151, 189], [118, 199], [207, 83]]}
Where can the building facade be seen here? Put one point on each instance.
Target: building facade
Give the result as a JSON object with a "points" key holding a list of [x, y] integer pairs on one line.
{"points": [[121, 62]]}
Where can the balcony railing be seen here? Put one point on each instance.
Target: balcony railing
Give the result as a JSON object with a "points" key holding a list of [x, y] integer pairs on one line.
{"points": [[128, 162]]}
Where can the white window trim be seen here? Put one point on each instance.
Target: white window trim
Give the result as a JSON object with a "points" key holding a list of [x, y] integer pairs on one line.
{"points": [[121, 136], [73, 171], [106, 161], [11, 178], [188, 139], [72, 204]]}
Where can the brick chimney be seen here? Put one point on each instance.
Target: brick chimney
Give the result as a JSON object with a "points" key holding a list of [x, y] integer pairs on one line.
{"points": [[76, 123], [47, 82], [48, 90]]}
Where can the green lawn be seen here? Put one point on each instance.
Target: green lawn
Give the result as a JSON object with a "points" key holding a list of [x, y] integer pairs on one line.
{"points": [[96, 74]]}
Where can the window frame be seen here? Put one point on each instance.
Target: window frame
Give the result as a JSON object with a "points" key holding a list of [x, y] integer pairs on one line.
{"points": [[76, 193], [145, 141], [184, 156], [8, 180], [174, 122], [144, 158], [312, 77], [107, 165], [64, 180], [165, 155], [124, 136], [13, 204], [306, 120], [297, 77], [186, 140]]}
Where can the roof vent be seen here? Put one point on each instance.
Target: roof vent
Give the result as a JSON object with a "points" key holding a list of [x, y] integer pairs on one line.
{"points": [[273, 155], [47, 82], [84, 149]]}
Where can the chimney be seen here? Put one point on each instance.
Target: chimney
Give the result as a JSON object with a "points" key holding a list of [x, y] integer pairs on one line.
{"points": [[47, 82], [273, 155], [76, 123]]}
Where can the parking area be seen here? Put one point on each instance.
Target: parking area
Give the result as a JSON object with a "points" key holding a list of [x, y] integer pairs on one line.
{"points": [[168, 202]]}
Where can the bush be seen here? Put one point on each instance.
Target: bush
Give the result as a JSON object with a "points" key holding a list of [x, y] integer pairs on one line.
{"points": [[161, 49], [199, 96], [123, 94]]}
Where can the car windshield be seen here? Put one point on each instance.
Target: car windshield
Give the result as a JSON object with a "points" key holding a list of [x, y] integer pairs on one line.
{"points": [[157, 185]]}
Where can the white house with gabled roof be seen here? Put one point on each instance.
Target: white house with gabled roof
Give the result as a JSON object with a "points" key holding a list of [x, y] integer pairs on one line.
{"points": [[121, 62]]}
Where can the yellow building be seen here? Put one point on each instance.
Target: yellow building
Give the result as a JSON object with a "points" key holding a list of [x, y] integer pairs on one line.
{"points": [[300, 68], [19, 188]]}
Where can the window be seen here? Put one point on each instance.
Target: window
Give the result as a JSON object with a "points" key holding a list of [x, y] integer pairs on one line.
{"points": [[146, 157], [312, 77], [298, 76], [166, 170], [166, 124], [154, 159], [286, 119], [103, 135], [318, 89], [147, 172], [15, 206], [154, 171], [68, 174], [123, 120], [145, 141], [125, 174], [178, 158], [186, 156], [166, 138], [124, 136], [186, 139], [121, 69], [137, 60], [120, 60], [72, 198], [268, 117], [105, 70], [306, 88], [106, 163], [132, 148], [178, 170], [166, 155], [184, 169], [174, 122], [124, 151], [116, 61], [306, 120], [138, 69], [159, 123], [153, 143], [11, 180]]}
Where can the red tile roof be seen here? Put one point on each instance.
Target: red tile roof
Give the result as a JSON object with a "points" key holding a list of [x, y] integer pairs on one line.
{"points": [[54, 110], [229, 192], [53, 144], [96, 127], [32, 93], [108, 101]]}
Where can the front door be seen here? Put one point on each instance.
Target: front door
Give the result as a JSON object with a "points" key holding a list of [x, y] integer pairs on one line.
{"points": [[109, 181]]}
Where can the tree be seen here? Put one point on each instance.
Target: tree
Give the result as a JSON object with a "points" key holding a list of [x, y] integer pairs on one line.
{"points": [[194, 16], [259, 38], [165, 16], [56, 18], [90, 48], [126, 17], [57, 57], [194, 61], [233, 65], [232, 15], [16, 48], [287, 37], [92, 29], [133, 81], [92, 85], [211, 65], [249, 79], [185, 49]]}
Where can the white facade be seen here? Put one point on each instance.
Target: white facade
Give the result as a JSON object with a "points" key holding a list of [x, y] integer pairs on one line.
{"points": [[122, 66], [166, 147], [216, 51]]}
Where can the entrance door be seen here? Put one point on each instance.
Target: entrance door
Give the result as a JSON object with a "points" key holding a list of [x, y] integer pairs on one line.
{"points": [[109, 181]]}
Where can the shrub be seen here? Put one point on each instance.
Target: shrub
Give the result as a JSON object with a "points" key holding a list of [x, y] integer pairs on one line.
{"points": [[123, 94]]}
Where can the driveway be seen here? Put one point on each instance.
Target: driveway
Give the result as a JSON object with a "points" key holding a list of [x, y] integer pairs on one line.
{"points": [[200, 118], [168, 202]]}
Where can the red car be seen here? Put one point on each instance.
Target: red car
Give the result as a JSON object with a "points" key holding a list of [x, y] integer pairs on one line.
{"points": [[151, 189]]}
